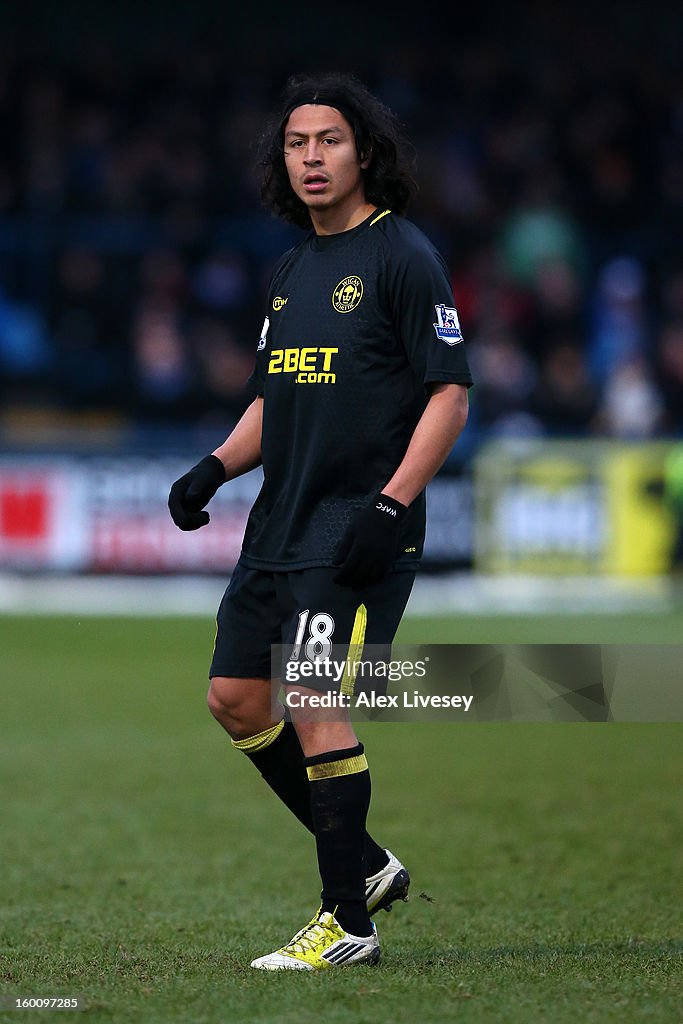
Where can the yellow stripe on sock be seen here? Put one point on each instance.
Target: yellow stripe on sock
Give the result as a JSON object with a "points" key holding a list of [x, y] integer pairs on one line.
{"points": [[348, 683], [260, 740], [332, 769], [379, 216]]}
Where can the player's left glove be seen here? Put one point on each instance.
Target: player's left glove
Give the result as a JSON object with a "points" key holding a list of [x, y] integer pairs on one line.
{"points": [[368, 548]]}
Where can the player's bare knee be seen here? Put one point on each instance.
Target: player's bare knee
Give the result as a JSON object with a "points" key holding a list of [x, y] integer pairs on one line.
{"points": [[234, 705], [224, 699], [213, 701]]}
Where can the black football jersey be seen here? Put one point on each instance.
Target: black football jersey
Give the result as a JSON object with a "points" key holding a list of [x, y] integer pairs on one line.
{"points": [[357, 325]]}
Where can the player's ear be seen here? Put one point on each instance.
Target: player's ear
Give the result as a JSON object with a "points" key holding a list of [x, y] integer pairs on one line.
{"points": [[365, 159]]}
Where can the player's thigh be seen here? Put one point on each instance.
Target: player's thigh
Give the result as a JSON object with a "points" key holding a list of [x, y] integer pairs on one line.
{"points": [[316, 611], [247, 624], [322, 620]]}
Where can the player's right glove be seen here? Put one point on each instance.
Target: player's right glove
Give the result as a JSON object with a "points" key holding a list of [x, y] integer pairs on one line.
{"points": [[369, 546], [191, 492]]}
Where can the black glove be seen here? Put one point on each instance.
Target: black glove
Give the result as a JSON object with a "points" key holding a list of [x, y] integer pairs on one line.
{"points": [[193, 491], [368, 548]]}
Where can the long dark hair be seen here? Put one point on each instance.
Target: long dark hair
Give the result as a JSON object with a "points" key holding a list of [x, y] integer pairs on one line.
{"points": [[388, 181]]}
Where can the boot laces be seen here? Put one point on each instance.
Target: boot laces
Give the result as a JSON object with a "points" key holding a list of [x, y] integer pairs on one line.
{"points": [[310, 937]]}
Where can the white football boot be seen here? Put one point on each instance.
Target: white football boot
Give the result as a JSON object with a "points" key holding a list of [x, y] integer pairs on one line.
{"points": [[323, 943], [388, 885]]}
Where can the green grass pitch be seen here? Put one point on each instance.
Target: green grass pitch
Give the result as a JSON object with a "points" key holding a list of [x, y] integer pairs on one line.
{"points": [[144, 863]]}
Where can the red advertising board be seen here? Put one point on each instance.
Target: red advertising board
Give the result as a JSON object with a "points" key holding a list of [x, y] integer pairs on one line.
{"points": [[109, 514]]}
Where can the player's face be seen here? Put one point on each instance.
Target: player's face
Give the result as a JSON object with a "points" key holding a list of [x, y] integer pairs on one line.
{"points": [[322, 161]]}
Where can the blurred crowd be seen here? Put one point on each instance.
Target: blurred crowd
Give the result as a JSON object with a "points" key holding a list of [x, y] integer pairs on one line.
{"points": [[135, 256]]}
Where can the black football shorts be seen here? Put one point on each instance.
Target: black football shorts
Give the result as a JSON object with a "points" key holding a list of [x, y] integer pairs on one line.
{"points": [[302, 610]]}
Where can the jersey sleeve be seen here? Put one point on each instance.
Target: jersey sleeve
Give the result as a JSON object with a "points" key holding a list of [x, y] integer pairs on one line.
{"points": [[257, 380], [425, 316]]}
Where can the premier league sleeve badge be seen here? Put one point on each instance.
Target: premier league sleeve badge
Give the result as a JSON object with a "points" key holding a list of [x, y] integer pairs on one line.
{"points": [[447, 325]]}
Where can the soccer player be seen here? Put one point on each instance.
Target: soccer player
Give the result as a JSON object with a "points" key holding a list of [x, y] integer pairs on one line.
{"points": [[360, 393]]}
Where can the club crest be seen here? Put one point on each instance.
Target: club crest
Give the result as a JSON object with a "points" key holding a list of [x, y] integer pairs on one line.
{"points": [[447, 325], [347, 294]]}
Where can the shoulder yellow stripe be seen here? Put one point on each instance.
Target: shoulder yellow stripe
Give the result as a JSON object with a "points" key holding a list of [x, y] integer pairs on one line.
{"points": [[333, 769], [356, 645], [379, 217]]}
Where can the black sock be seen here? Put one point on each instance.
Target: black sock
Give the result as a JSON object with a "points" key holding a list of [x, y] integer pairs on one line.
{"points": [[281, 763], [340, 797]]}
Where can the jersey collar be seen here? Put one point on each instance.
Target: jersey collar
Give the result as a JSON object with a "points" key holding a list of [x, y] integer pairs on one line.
{"points": [[319, 243]]}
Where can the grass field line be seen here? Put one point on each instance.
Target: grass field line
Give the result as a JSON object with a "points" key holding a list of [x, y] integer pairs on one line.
{"points": [[451, 593]]}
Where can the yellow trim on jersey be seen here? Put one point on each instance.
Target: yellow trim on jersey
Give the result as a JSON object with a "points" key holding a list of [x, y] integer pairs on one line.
{"points": [[379, 217], [260, 740], [348, 683], [333, 769]]}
